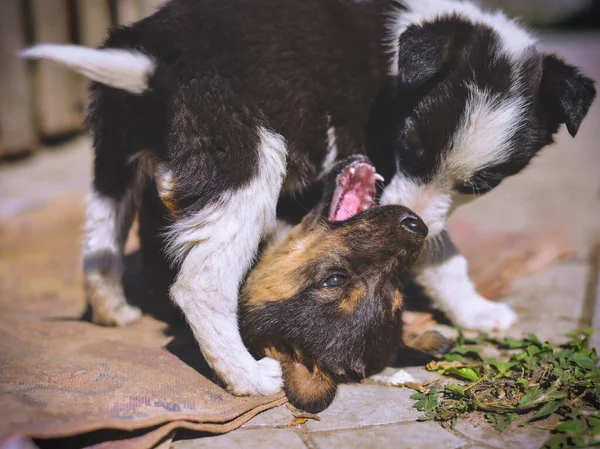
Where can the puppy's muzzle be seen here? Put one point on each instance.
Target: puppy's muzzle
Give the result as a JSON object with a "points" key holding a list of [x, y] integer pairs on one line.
{"points": [[412, 223]]}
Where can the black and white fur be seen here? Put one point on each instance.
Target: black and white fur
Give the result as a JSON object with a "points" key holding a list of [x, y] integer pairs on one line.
{"points": [[228, 105]]}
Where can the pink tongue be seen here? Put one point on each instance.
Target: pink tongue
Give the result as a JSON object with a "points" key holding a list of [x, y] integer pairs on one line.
{"points": [[349, 207]]}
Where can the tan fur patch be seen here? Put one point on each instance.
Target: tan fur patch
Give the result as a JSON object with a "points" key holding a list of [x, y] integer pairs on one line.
{"points": [[165, 185], [350, 302], [273, 353], [312, 391], [398, 301], [268, 281], [430, 342], [170, 204], [308, 387]]}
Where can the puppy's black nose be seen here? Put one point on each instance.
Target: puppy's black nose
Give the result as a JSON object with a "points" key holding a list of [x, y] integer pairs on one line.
{"points": [[411, 222]]}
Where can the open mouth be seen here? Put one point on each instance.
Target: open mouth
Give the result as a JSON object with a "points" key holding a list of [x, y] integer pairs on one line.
{"points": [[355, 190]]}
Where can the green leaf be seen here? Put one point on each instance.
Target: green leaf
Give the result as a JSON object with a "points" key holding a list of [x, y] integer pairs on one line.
{"points": [[556, 442], [474, 341], [421, 404], [594, 424], [501, 367], [455, 389], [432, 400], [426, 402], [492, 418], [523, 382], [548, 409], [575, 334], [469, 373], [463, 373], [534, 339], [555, 395], [571, 426], [582, 361], [512, 343], [532, 350], [530, 396], [467, 351], [499, 421], [453, 357]]}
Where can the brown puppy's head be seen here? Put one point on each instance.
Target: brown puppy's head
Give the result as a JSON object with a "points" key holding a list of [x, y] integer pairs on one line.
{"points": [[326, 301]]}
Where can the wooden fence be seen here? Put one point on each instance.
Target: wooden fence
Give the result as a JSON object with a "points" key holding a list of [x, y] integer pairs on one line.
{"points": [[41, 101]]}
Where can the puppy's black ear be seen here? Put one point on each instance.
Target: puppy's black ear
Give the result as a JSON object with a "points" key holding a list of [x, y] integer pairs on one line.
{"points": [[567, 92], [421, 56]]}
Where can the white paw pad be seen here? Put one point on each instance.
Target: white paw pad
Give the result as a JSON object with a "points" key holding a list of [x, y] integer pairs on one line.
{"points": [[484, 315]]}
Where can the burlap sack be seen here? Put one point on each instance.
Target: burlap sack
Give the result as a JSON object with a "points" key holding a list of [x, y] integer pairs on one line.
{"points": [[61, 376]]}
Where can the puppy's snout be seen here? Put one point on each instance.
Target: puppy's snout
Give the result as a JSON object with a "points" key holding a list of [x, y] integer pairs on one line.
{"points": [[412, 223]]}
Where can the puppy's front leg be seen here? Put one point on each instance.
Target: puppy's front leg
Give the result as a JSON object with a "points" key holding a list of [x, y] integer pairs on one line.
{"points": [[215, 247], [443, 274], [206, 290]]}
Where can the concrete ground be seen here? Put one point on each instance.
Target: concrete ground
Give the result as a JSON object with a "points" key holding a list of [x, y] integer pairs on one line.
{"points": [[560, 190]]}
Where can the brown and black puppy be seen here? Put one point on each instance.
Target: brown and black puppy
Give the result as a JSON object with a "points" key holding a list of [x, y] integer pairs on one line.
{"points": [[327, 301]]}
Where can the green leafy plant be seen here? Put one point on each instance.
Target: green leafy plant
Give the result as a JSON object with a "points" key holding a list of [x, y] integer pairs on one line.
{"points": [[528, 382]]}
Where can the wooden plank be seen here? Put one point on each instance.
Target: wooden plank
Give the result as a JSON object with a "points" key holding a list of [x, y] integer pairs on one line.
{"points": [[17, 131], [128, 11], [93, 24], [56, 88], [93, 21], [149, 6]]}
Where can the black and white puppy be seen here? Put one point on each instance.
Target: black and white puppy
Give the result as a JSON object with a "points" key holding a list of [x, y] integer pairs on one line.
{"points": [[228, 104], [473, 103]]}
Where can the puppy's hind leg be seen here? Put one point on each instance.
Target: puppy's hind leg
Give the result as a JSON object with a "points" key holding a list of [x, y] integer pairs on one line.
{"points": [[107, 224], [111, 208], [215, 247]]}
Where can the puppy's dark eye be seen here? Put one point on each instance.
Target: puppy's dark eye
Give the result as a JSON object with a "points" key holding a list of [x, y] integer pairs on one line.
{"points": [[414, 142], [337, 280]]}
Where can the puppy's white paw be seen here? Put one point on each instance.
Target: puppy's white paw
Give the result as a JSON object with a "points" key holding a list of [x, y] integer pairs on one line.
{"points": [[107, 300], [127, 314], [262, 379], [484, 315], [271, 369], [121, 316]]}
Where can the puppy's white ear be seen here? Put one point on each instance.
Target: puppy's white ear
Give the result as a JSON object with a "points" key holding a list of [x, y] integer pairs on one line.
{"points": [[566, 93], [421, 56]]}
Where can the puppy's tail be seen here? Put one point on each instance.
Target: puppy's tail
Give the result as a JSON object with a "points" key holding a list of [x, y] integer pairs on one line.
{"points": [[129, 70], [306, 390]]}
